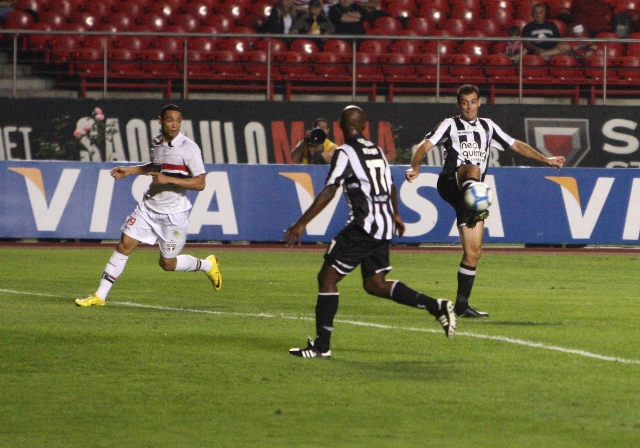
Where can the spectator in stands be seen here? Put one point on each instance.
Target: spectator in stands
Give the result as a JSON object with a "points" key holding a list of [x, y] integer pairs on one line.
{"points": [[373, 9], [348, 18], [5, 8], [594, 15], [282, 17], [582, 49], [306, 152], [513, 47], [542, 29], [313, 22]]}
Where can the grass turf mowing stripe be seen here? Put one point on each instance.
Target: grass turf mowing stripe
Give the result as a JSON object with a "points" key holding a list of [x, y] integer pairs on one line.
{"points": [[509, 340]]}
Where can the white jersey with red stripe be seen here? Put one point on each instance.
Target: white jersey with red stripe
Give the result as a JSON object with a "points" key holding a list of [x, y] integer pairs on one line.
{"points": [[179, 158]]}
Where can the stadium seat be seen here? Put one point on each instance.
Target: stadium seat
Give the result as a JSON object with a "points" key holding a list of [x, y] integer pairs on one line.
{"points": [[329, 65], [53, 18], [621, 6], [499, 67], [407, 47], [276, 46], [615, 49], [463, 66], [200, 9], [134, 43], [159, 62], [134, 10], [18, 20], [447, 47], [426, 65], [255, 62], [339, 47], [62, 7], [502, 18], [389, 26], [89, 61], [222, 22], [28, 5], [435, 16], [397, 65], [556, 8], [235, 9], [373, 48], [628, 68], [367, 68], [188, 22], [203, 44], [164, 8], [153, 22], [486, 26], [64, 47], [420, 25], [633, 49], [475, 49], [87, 19], [455, 26], [562, 26], [40, 41], [594, 68], [294, 64], [306, 47], [534, 68], [226, 63], [260, 12], [566, 68], [121, 20]]}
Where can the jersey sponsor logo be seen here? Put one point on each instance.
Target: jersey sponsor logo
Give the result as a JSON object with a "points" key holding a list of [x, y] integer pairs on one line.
{"points": [[559, 137], [471, 151]]}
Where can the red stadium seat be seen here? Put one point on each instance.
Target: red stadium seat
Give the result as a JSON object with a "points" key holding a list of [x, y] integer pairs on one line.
{"points": [[373, 48], [407, 47], [487, 26], [475, 49], [556, 8], [594, 68], [463, 66], [633, 49], [294, 64], [159, 62], [255, 62], [499, 66], [203, 44], [64, 47], [200, 9], [426, 65], [260, 12], [122, 21], [435, 16], [563, 67], [164, 8], [389, 26], [19, 20], [133, 10], [628, 68], [367, 68], [40, 41], [153, 22], [400, 13], [329, 65], [276, 46], [397, 65], [534, 67], [306, 47], [226, 63], [89, 61], [614, 49], [188, 22], [222, 22], [455, 26], [420, 25], [339, 47], [62, 7], [52, 18]]}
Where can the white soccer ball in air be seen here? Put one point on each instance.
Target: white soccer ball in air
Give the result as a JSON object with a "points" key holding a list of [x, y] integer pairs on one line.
{"points": [[478, 197]]}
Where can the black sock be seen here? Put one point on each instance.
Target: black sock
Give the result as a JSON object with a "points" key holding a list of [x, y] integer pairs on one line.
{"points": [[326, 309], [466, 276], [404, 295]]}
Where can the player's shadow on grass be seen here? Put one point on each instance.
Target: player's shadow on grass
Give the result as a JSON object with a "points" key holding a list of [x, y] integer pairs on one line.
{"points": [[414, 370]]}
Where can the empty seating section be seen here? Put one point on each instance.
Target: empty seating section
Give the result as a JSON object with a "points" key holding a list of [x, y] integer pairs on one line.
{"points": [[416, 46]]}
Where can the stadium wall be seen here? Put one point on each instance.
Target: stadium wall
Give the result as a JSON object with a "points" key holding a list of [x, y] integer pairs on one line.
{"points": [[264, 132], [254, 202]]}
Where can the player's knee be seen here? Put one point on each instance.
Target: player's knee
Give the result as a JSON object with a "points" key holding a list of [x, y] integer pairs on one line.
{"points": [[167, 264], [374, 287]]}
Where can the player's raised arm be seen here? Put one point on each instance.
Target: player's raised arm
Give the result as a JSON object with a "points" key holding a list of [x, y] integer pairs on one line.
{"points": [[527, 151], [413, 172]]}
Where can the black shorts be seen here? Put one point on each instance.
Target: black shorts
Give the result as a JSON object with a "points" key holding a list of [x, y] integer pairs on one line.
{"points": [[450, 191], [352, 247]]}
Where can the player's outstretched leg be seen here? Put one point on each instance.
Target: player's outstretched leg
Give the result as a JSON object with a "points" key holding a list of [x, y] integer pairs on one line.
{"points": [[310, 351], [214, 273]]}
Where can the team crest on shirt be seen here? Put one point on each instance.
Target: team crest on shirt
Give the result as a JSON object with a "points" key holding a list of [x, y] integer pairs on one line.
{"points": [[559, 137]]}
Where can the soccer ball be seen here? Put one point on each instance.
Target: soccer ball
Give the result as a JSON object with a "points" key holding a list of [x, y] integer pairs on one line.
{"points": [[478, 197]]}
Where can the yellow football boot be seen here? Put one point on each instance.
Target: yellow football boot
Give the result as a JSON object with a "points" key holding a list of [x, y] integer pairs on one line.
{"points": [[92, 300], [214, 273]]}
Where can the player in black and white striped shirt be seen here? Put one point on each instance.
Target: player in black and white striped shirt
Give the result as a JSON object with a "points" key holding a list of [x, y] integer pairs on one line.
{"points": [[360, 167], [467, 140]]}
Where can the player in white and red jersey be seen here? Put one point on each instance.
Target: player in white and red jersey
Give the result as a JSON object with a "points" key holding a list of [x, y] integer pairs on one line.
{"points": [[467, 140], [163, 214]]}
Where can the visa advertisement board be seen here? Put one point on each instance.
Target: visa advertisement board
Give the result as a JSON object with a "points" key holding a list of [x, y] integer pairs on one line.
{"points": [[253, 202]]}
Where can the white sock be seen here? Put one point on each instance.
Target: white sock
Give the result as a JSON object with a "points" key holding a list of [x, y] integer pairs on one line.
{"points": [[112, 271], [187, 263]]}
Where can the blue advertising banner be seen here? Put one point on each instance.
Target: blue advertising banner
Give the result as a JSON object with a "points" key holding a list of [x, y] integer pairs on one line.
{"points": [[75, 200]]}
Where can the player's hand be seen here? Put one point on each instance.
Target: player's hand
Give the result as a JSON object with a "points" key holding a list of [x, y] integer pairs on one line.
{"points": [[411, 174], [400, 227], [119, 172], [293, 235], [158, 178], [557, 162]]}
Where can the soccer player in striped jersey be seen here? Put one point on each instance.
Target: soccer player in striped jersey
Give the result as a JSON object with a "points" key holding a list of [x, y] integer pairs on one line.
{"points": [[360, 167], [467, 140], [163, 214]]}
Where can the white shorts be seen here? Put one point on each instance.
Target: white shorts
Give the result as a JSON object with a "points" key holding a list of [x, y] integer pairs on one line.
{"points": [[148, 227]]}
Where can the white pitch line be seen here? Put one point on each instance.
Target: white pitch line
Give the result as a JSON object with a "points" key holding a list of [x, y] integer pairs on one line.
{"points": [[368, 324], [391, 327]]}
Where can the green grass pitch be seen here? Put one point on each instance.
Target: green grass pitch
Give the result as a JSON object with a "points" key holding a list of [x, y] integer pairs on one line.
{"points": [[171, 363]]}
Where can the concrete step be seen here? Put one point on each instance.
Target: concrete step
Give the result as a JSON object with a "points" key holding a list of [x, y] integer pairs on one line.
{"points": [[27, 84]]}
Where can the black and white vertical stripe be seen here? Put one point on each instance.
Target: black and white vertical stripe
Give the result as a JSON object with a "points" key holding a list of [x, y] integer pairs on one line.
{"points": [[363, 171], [468, 142]]}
